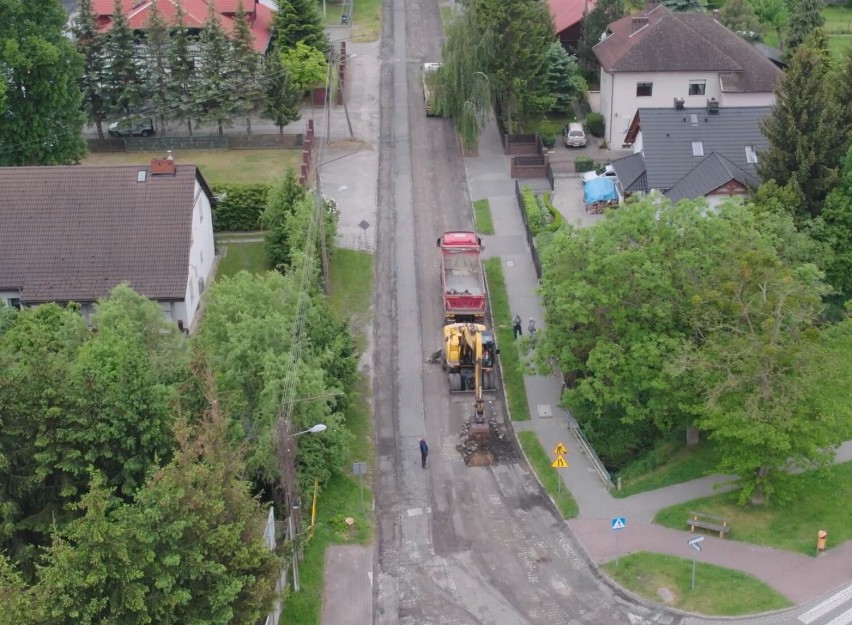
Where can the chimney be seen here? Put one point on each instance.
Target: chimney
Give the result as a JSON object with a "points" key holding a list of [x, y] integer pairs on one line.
{"points": [[712, 106], [638, 23], [678, 103], [162, 166], [716, 14]]}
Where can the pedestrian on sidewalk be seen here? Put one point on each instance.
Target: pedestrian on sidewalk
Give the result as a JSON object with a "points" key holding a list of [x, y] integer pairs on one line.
{"points": [[531, 327], [424, 451], [516, 326]]}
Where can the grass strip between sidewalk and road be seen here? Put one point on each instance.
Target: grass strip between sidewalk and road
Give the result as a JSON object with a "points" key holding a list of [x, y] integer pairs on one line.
{"points": [[823, 501], [549, 477], [718, 591], [482, 217], [513, 375], [340, 498]]}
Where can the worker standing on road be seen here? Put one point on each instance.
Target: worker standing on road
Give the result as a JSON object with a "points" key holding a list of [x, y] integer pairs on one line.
{"points": [[531, 327], [516, 326], [424, 451]]}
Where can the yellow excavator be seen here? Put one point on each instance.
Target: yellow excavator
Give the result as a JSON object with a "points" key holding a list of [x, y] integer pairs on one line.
{"points": [[469, 356]]}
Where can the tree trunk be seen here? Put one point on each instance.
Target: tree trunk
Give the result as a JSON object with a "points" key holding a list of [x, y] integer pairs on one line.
{"points": [[100, 126], [161, 130], [248, 124], [780, 39], [280, 129], [189, 126], [758, 497], [221, 130]]}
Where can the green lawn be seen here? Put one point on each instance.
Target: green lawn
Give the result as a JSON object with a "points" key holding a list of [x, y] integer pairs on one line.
{"points": [[823, 502], [340, 498], [482, 217], [681, 464], [241, 255], [217, 166], [718, 591], [513, 377], [838, 29], [548, 476]]}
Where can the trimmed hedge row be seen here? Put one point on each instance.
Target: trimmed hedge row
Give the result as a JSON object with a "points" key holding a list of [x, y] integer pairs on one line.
{"points": [[240, 206], [541, 214]]}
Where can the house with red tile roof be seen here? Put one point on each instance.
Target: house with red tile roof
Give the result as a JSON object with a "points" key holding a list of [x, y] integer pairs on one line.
{"points": [[73, 233], [659, 58], [138, 13], [568, 19]]}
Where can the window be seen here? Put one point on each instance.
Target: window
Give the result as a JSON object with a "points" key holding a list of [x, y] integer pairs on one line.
{"points": [[751, 154], [644, 89], [698, 148], [696, 87]]}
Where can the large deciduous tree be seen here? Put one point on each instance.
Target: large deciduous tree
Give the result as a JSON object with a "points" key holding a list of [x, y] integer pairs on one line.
{"points": [[306, 66], [739, 16], [802, 130], [90, 44], [774, 14], [835, 229], [42, 119]]}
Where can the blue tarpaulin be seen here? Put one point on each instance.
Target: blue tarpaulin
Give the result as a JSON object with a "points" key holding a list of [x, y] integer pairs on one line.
{"points": [[599, 190]]}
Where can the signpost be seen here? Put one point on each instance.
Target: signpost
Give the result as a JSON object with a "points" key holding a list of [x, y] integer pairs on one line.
{"points": [[559, 462], [695, 543], [615, 524]]}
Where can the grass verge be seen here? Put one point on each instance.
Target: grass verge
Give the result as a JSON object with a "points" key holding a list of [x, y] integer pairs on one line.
{"points": [[249, 256], [341, 496], [217, 166], [513, 376], [547, 475], [823, 501], [682, 464], [718, 591], [367, 20], [482, 217], [446, 16]]}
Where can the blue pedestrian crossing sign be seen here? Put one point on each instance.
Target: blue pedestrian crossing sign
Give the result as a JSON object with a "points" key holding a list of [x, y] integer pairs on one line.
{"points": [[618, 523]]}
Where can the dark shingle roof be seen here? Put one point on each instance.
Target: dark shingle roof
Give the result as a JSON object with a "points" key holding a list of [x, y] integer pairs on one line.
{"points": [[74, 233], [631, 173], [677, 42], [710, 174], [668, 133]]}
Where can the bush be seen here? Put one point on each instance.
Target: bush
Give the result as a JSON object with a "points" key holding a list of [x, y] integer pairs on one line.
{"points": [[595, 124], [584, 163], [540, 213], [240, 207]]}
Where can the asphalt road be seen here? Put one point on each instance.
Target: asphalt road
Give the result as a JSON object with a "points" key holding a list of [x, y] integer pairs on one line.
{"points": [[457, 544]]}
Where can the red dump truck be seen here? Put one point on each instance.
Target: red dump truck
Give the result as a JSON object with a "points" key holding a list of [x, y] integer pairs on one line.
{"points": [[461, 277]]}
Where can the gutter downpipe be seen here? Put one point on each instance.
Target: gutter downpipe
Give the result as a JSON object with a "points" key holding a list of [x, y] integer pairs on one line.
{"points": [[611, 106]]}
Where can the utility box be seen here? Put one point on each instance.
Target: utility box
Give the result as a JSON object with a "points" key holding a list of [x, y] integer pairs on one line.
{"points": [[822, 535]]}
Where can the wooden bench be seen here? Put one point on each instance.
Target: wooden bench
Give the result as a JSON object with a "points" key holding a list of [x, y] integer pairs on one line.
{"points": [[708, 522]]}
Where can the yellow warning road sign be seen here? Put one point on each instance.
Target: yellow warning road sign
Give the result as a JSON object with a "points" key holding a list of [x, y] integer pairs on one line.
{"points": [[559, 450], [559, 463]]}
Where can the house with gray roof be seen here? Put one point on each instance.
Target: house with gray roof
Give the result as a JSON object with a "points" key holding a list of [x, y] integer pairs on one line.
{"points": [[71, 234], [652, 59], [688, 153]]}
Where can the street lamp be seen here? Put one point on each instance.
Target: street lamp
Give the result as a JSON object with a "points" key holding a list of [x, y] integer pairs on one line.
{"points": [[315, 429]]}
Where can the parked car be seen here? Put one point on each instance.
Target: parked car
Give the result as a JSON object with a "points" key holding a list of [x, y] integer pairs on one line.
{"points": [[604, 172], [573, 135], [138, 127]]}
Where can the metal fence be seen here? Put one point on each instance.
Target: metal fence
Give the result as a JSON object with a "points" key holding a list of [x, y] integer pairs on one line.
{"points": [[600, 469]]}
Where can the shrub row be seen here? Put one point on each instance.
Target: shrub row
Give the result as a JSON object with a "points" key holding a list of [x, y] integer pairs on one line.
{"points": [[239, 207], [541, 214]]}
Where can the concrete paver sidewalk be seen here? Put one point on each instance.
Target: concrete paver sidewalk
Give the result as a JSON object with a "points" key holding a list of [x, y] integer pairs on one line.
{"points": [[799, 577]]}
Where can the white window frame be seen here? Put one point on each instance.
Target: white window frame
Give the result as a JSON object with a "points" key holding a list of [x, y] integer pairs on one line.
{"points": [[698, 148], [751, 154], [702, 84]]}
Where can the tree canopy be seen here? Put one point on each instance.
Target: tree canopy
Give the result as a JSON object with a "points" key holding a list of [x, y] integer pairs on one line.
{"points": [[595, 25], [42, 118], [665, 316], [805, 17]]}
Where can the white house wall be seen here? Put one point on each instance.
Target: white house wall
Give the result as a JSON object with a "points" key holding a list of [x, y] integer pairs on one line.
{"points": [[747, 99], [201, 255], [619, 101]]}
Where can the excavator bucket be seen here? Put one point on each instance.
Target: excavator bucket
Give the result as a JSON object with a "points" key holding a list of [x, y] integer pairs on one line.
{"points": [[479, 431]]}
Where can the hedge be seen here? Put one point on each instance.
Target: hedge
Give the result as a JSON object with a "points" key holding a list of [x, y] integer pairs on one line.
{"points": [[584, 163], [240, 206], [541, 214], [595, 124]]}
